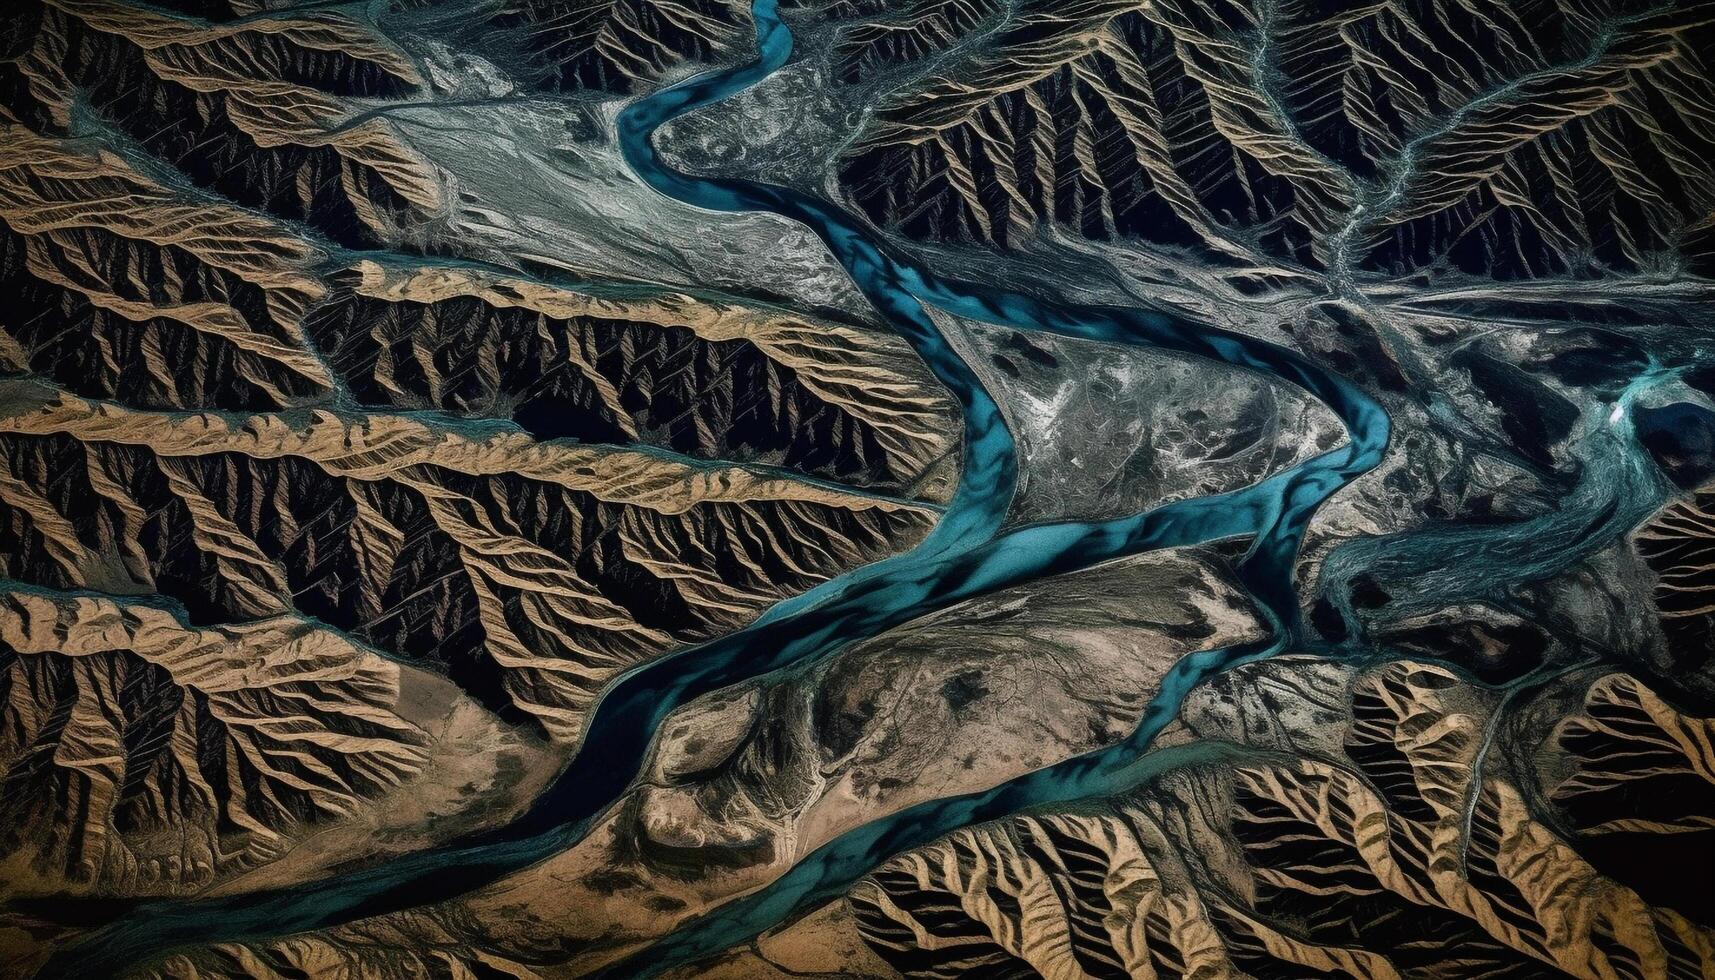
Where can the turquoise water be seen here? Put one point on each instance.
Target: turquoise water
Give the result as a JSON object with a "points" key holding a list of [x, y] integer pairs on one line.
{"points": [[965, 556], [1273, 513]]}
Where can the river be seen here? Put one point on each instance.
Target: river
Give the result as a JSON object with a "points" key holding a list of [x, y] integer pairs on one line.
{"points": [[965, 556]]}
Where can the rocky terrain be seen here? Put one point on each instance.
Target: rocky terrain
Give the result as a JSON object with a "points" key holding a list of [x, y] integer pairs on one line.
{"points": [[379, 441]]}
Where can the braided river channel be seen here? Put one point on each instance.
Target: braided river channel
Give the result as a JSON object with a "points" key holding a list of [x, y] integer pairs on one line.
{"points": [[966, 555]]}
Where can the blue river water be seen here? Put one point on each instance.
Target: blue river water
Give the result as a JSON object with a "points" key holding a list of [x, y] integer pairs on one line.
{"points": [[965, 556]]}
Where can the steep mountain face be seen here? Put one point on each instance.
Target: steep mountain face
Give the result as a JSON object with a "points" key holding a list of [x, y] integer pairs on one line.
{"points": [[315, 554], [145, 755], [438, 541], [744, 783], [1409, 847], [620, 45], [1676, 544], [1517, 141]]}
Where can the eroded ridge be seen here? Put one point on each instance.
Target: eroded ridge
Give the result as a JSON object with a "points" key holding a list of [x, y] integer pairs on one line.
{"points": [[1141, 489], [190, 754], [320, 539], [1385, 138], [1402, 849]]}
